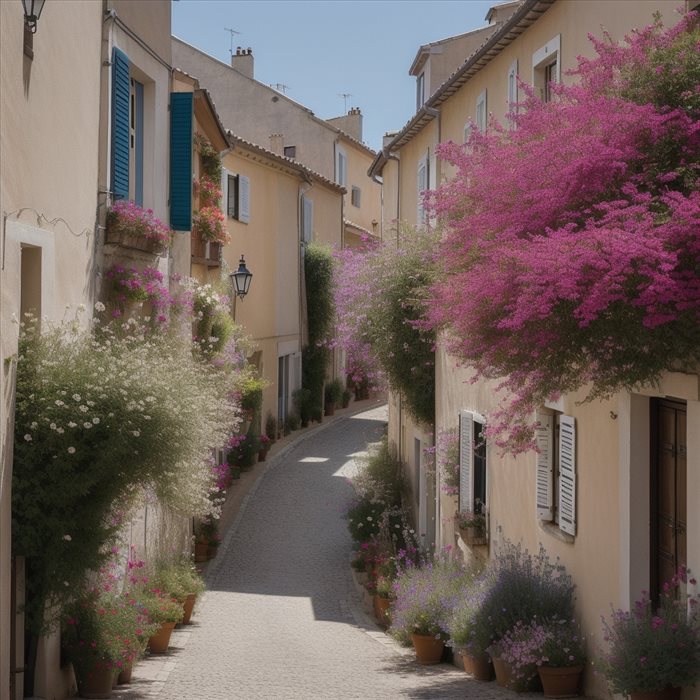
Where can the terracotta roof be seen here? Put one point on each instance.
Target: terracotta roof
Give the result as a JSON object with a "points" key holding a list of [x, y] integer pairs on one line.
{"points": [[289, 162], [352, 224], [524, 16]]}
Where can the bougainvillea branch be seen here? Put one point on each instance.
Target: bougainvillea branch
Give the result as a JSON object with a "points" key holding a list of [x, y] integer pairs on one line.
{"points": [[571, 253]]}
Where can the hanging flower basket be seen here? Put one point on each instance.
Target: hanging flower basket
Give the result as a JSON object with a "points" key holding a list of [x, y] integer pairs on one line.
{"points": [[130, 226]]}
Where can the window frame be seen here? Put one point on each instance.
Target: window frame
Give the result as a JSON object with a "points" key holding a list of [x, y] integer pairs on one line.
{"points": [[543, 60], [341, 166], [481, 112], [467, 463], [355, 196]]}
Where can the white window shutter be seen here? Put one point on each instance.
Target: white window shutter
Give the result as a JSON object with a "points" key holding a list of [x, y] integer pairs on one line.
{"points": [[308, 214], [466, 460], [243, 199], [545, 468], [422, 185], [481, 112], [513, 85], [567, 474]]}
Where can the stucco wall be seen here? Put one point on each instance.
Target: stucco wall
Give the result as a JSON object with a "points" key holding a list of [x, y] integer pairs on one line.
{"points": [[53, 178]]}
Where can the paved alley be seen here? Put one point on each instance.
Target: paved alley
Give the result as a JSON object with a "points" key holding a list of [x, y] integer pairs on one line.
{"points": [[282, 618]]}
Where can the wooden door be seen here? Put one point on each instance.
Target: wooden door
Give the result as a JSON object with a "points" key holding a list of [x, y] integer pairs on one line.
{"points": [[668, 492]]}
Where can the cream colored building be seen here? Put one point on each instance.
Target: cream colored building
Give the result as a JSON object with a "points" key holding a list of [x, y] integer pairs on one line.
{"points": [[598, 506], [274, 206], [265, 116], [57, 178]]}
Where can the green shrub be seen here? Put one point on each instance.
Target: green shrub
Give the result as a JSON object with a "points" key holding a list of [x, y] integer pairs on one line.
{"points": [[334, 392], [301, 398]]}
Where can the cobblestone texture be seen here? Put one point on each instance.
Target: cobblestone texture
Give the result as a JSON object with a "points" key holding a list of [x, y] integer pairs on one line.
{"points": [[282, 618]]}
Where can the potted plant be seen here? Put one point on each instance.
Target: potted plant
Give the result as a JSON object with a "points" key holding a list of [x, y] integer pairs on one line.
{"points": [[243, 450], [562, 657], [347, 395], [470, 638], [131, 226], [181, 581], [515, 656], [472, 526], [271, 427], [292, 422], [166, 612], [264, 442], [302, 404], [206, 539], [424, 599], [333, 395], [101, 635], [654, 652]]}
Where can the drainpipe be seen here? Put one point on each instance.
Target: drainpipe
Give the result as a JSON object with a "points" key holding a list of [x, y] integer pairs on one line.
{"points": [[435, 113]]}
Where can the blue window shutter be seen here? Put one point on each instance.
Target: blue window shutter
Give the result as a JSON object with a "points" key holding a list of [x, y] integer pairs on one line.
{"points": [[181, 106], [120, 124]]}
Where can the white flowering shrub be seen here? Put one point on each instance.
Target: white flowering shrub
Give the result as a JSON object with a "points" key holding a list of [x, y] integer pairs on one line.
{"points": [[102, 415]]}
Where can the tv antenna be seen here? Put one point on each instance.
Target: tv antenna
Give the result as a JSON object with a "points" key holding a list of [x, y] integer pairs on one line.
{"points": [[280, 87], [345, 96], [231, 32]]}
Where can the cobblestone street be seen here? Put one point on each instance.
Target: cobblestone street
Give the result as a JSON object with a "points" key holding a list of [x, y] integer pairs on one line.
{"points": [[282, 618]]}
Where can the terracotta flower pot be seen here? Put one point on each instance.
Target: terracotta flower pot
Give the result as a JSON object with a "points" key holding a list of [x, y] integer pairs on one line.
{"points": [[381, 609], [158, 643], [560, 682], [665, 694], [124, 677], [479, 666], [428, 648], [262, 455], [329, 409], [188, 607], [94, 683], [505, 677], [201, 551]]}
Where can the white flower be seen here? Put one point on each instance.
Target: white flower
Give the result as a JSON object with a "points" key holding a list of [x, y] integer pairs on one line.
{"points": [[87, 425], [28, 437], [60, 431], [53, 426], [136, 433], [72, 425], [95, 420], [67, 538], [99, 306], [76, 397], [83, 409], [71, 450], [58, 402], [34, 425]]}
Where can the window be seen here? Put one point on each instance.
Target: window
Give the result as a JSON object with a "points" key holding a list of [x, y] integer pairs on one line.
{"points": [[136, 143], [422, 186], [546, 67], [307, 219], [290, 151], [468, 130], [513, 87], [481, 113], [341, 166], [238, 198], [472, 462], [556, 470], [420, 91], [355, 196]]}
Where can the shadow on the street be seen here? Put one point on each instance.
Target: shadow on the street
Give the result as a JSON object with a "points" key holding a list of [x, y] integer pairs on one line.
{"points": [[293, 538]]}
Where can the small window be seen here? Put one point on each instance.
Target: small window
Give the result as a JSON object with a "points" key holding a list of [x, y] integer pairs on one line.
{"points": [[341, 166], [546, 68], [307, 219], [481, 113], [355, 196], [422, 186], [556, 470], [420, 91], [472, 463], [513, 87], [238, 198], [290, 151]]}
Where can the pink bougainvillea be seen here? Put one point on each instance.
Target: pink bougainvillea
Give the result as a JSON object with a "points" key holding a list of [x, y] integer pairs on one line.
{"points": [[571, 252]]}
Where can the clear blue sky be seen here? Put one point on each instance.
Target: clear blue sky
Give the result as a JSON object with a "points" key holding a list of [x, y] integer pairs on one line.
{"points": [[325, 47]]}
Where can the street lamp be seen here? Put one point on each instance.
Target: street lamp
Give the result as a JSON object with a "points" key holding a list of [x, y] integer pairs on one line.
{"points": [[240, 280], [32, 12]]}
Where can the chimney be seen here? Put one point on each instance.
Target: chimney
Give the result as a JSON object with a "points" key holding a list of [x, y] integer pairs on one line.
{"points": [[277, 144], [351, 123], [242, 61]]}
